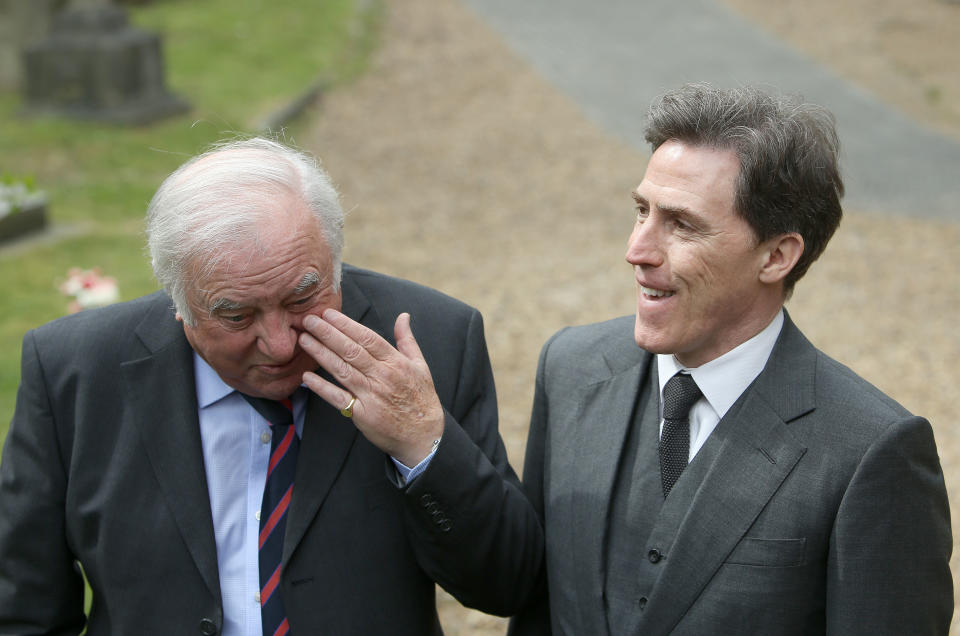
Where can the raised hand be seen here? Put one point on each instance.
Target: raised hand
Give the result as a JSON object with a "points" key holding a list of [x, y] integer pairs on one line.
{"points": [[396, 406]]}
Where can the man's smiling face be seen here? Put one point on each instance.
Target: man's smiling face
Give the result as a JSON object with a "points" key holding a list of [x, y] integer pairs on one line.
{"points": [[696, 261]]}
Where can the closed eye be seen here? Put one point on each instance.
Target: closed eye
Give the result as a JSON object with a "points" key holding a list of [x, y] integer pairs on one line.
{"points": [[683, 220], [235, 321], [305, 302]]}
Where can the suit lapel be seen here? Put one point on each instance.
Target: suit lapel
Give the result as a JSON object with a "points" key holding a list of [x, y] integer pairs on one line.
{"points": [[327, 437], [602, 423], [165, 412], [173, 442], [757, 452]]}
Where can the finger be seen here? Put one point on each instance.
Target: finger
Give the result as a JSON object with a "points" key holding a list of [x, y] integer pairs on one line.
{"points": [[330, 392], [340, 369], [329, 335], [368, 339], [406, 342]]}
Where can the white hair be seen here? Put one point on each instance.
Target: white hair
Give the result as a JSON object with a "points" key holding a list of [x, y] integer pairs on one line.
{"points": [[216, 202]]}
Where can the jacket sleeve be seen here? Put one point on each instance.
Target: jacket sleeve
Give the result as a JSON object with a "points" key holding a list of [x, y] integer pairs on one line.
{"points": [[472, 529], [888, 566], [41, 588]]}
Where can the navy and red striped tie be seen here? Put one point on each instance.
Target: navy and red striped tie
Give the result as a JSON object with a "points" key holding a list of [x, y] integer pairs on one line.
{"points": [[277, 492]]}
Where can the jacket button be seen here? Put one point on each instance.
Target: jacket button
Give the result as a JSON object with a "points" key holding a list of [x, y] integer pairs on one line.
{"points": [[654, 555], [208, 627], [444, 525], [642, 602], [426, 500]]}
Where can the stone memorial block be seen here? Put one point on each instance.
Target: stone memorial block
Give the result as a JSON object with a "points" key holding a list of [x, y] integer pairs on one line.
{"points": [[94, 65]]}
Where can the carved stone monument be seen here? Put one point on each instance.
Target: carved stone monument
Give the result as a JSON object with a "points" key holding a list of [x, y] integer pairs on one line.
{"points": [[94, 65]]}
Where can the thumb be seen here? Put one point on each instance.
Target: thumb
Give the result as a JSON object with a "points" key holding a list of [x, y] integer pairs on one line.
{"points": [[403, 335]]}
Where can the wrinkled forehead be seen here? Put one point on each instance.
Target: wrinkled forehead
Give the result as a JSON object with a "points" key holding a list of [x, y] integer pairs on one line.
{"points": [[255, 225], [682, 175]]}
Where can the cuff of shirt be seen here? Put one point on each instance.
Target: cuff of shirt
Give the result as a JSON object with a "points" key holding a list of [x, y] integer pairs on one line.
{"points": [[409, 474]]}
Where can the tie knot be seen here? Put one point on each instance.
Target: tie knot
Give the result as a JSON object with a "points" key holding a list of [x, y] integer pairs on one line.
{"points": [[277, 412], [679, 394]]}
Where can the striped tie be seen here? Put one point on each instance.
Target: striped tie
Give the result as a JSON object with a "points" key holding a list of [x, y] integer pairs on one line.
{"points": [[277, 491]]}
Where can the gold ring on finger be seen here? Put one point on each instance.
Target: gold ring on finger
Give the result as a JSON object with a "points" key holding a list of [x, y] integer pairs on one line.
{"points": [[347, 411]]}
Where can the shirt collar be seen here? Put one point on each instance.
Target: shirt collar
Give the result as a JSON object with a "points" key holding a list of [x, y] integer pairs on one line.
{"points": [[210, 386], [724, 379]]}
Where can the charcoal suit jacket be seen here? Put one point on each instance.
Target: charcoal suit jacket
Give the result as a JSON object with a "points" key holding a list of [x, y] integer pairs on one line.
{"points": [[103, 468], [823, 511]]}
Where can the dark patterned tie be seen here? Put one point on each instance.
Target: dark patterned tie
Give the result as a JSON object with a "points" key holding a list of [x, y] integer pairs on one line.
{"points": [[679, 394], [277, 492]]}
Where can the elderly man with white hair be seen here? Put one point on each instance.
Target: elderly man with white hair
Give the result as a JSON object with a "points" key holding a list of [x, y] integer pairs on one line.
{"points": [[264, 447]]}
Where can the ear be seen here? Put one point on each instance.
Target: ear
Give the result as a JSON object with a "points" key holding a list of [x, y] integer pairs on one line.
{"points": [[781, 253]]}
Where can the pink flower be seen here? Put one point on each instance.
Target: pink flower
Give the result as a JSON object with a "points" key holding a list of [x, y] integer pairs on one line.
{"points": [[89, 288]]}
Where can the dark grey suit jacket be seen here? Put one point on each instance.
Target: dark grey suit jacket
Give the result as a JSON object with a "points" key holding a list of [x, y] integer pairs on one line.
{"points": [[823, 512], [103, 466]]}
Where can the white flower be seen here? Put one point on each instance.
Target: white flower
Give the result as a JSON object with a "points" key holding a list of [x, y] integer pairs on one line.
{"points": [[89, 289], [16, 196]]}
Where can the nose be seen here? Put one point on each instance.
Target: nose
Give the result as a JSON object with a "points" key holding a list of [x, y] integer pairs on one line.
{"points": [[278, 336], [644, 246]]}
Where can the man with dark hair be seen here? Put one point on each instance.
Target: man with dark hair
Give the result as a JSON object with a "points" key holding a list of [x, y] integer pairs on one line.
{"points": [[700, 467], [169, 448]]}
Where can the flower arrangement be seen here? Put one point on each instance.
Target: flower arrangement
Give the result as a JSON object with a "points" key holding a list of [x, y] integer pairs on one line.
{"points": [[18, 194], [89, 288]]}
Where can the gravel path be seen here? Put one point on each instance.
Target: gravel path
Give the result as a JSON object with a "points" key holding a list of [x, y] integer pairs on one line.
{"points": [[464, 170]]}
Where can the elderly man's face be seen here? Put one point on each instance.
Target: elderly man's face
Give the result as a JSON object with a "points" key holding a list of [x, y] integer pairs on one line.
{"points": [[695, 261], [249, 310]]}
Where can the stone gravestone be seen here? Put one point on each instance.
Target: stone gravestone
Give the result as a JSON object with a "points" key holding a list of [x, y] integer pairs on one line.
{"points": [[21, 22], [94, 65]]}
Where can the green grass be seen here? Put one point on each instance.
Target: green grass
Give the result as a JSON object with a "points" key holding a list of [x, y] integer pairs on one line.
{"points": [[235, 61]]}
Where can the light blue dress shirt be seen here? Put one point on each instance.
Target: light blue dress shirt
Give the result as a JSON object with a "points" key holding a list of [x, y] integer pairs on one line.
{"points": [[236, 452]]}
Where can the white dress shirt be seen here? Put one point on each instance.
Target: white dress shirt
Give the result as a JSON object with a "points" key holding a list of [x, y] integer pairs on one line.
{"points": [[722, 380], [236, 451]]}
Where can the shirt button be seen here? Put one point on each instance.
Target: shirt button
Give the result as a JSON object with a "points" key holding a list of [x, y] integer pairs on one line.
{"points": [[642, 602], [256, 597], [654, 555], [265, 437], [257, 515]]}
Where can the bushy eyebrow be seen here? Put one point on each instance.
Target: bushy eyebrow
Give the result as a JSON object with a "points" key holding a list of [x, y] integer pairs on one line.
{"points": [[224, 304], [309, 280]]}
